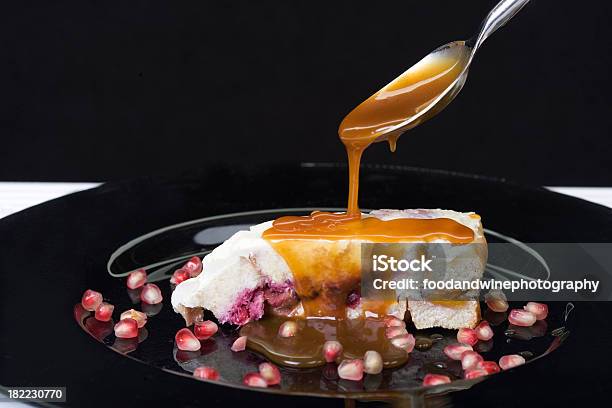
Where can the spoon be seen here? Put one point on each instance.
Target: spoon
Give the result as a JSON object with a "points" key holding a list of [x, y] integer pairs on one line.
{"points": [[423, 90]]}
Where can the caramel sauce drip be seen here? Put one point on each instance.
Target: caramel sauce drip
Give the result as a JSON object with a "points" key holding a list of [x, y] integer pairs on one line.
{"points": [[399, 102], [323, 249], [305, 349]]}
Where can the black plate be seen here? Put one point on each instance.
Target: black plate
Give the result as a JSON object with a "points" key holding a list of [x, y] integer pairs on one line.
{"points": [[52, 252]]}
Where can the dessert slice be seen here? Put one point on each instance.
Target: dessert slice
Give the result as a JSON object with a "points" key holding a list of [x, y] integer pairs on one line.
{"points": [[312, 266]]}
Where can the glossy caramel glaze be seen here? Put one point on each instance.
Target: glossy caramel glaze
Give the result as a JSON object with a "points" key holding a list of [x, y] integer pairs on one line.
{"points": [[305, 349], [406, 99], [340, 226], [323, 249]]}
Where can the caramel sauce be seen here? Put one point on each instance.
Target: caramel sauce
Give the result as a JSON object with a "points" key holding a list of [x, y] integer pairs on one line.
{"points": [[323, 249], [306, 348], [382, 115], [330, 226]]}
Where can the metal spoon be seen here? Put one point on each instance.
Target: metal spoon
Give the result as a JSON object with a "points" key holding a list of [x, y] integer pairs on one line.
{"points": [[497, 17]]}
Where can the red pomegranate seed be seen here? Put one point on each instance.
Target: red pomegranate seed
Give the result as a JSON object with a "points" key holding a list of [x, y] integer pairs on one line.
{"points": [[467, 336], [520, 317], [126, 329], [474, 373], [186, 340], [270, 373], [331, 350], [151, 294], [496, 301], [136, 279], [206, 373], [404, 341], [455, 351], [104, 312], [288, 329], [435, 379], [239, 344], [372, 362], [392, 321], [469, 359], [193, 267], [540, 310], [180, 275], [255, 380], [490, 367], [484, 331], [205, 330], [91, 300], [351, 370], [394, 331], [511, 361], [140, 317]]}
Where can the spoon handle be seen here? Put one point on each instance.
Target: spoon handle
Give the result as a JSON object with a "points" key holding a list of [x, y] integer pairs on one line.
{"points": [[500, 15]]}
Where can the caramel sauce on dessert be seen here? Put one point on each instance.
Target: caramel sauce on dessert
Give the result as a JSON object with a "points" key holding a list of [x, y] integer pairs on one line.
{"points": [[323, 250], [332, 227]]}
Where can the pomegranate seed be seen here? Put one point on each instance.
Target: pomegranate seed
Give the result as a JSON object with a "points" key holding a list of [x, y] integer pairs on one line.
{"points": [[520, 317], [270, 373], [91, 300], [484, 331], [288, 329], [351, 370], [392, 321], [372, 362], [511, 361], [126, 329], [255, 380], [104, 312], [151, 294], [331, 350], [136, 279], [496, 301], [186, 340], [469, 359], [193, 267], [467, 336], [206, 373], [490, 367], [394, 331], [435, 379], [140, 317], [180, 275], [474, 373], [454, 351], [540, 310], [404, 341], [205, 330], [239, 344]]}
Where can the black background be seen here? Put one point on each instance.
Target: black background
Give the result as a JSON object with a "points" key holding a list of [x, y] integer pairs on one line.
{"points": [[99, 90]]}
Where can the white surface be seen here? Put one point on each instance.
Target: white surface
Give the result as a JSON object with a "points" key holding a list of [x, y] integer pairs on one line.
{"points": [[599, 195], [16, 196]]}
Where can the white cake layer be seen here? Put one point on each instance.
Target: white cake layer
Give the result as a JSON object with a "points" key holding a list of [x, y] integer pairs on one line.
{"points": [[246, 261]]}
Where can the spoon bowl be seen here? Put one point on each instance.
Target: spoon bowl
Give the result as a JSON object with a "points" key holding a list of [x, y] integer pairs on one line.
{"points": [[425, 89]]}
